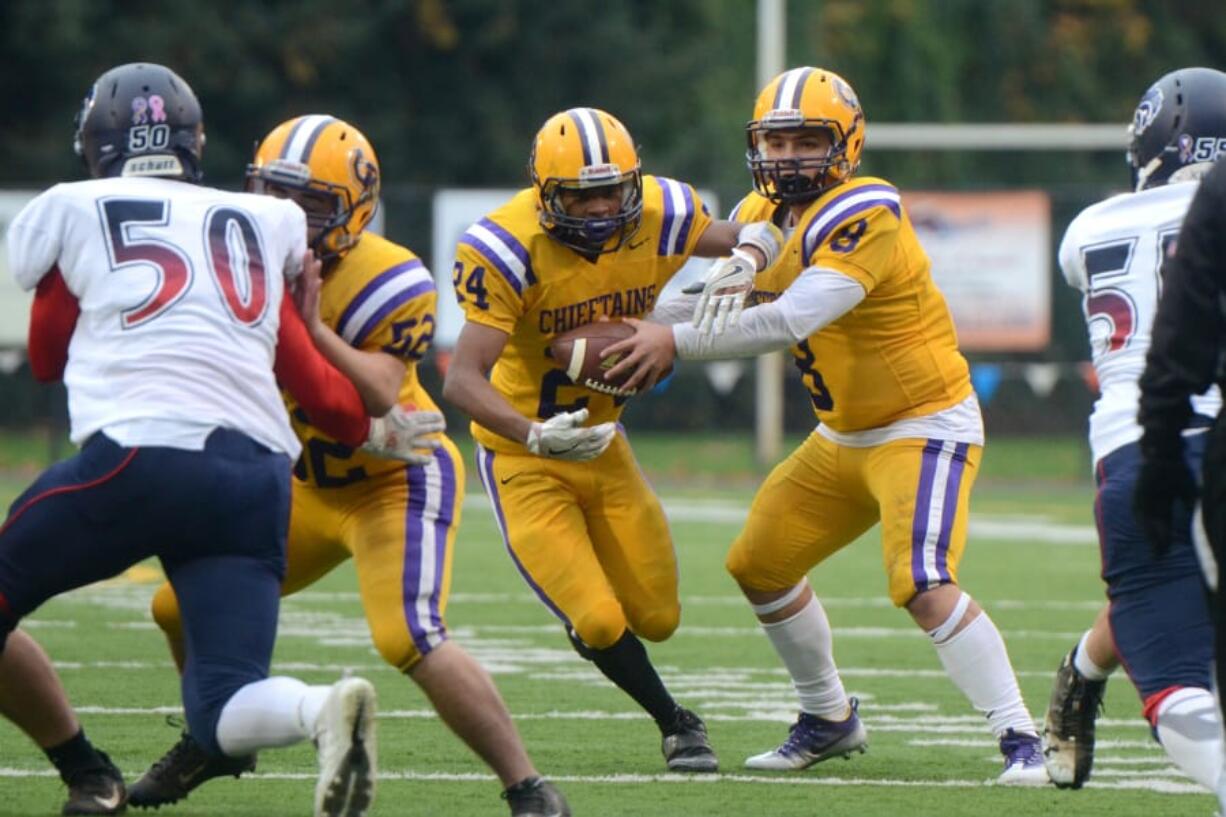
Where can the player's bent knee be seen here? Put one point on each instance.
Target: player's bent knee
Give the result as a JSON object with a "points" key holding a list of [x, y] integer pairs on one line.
{"points": [[658, 625], [601, 626], [165, 610], [402, 651]]}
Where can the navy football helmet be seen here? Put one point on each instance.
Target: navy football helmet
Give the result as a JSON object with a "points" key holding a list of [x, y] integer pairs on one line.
{"points": [[1180, 122], [140, 119]]}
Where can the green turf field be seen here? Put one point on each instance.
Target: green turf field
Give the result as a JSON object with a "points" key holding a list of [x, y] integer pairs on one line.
{"points": [[1032, 562]]}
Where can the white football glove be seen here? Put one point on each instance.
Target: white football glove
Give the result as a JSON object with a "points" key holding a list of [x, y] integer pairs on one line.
{"points": [[563, 437], [723, 293], [404, 434]]}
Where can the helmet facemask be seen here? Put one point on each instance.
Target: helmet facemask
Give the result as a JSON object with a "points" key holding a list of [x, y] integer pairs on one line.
{"points": [[587, 234], [329, 207], [799, 179], [329, 168]]}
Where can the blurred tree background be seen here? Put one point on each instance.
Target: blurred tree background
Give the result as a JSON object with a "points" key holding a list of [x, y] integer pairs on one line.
{"points": [[452, 91]]}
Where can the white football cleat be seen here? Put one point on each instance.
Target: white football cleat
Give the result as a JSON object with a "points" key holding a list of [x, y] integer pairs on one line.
{"points": [[1023, 760], [812, 739], [345, 740]]}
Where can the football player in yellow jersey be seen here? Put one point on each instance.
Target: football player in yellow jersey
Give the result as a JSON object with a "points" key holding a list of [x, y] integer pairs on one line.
{"points": [[373, 317], [900, 433], [592, 238]]}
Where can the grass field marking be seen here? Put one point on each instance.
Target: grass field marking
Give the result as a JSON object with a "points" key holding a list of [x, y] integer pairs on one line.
{"points": [[884, 722], [1010, 527], [578, 674], [1163, 786], [963, 743], [699, 631]]}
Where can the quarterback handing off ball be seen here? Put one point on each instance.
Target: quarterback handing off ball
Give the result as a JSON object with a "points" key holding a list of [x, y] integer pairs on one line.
{"points": [[578, 352]]}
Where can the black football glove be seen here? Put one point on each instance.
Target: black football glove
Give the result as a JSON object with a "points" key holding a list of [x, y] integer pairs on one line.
{"points": [[1165, 495]]}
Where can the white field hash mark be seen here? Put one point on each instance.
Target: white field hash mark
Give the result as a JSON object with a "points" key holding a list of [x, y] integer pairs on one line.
{"points": [[1164, 786]]}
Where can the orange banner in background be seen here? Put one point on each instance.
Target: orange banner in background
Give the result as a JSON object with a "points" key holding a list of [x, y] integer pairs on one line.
{"points": [[991, 257]]}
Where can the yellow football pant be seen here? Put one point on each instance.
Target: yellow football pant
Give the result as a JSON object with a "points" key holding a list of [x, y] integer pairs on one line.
{"points": [[399, 527], [591, 540], [824, 495]]}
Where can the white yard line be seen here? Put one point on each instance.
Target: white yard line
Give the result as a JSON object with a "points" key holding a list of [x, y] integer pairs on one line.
{"points": [[1155, 784]]}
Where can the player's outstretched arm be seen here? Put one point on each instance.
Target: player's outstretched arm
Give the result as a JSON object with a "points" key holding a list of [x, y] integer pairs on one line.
{"points": [[467, 386], [722, 294], [377, 375], [328, 398]]}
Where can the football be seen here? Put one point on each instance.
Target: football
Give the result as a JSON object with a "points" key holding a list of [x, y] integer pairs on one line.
{"points": [[578, 352]]}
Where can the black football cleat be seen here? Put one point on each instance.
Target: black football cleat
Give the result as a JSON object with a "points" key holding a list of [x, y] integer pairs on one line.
{"points": [[1068, 731], [536, 797], [686, 747], [98, 790], [180, 771]]}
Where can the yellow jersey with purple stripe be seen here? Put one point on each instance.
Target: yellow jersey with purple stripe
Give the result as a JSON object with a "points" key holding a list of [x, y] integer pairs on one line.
{"points": [[894, 356], [511, 275], [379, 298]]}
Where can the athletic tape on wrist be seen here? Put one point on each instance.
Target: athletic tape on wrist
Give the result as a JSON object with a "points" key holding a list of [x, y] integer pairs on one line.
{"points": [[764, 237]]}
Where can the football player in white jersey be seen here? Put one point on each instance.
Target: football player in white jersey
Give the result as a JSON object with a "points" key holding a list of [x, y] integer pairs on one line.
{"points": [[1157, 615], [160, 302]]}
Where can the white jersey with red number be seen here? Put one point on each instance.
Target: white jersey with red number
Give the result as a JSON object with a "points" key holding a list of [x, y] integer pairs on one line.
{"points": [[180, 290], [1112, 253]]}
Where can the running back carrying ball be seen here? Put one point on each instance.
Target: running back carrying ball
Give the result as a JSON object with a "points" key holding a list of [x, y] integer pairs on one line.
{"points": [[578, 352]]}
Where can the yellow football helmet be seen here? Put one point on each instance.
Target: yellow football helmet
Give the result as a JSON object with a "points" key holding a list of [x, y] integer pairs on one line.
{"points": [[330, 169], [578, 153], [800, 99]]}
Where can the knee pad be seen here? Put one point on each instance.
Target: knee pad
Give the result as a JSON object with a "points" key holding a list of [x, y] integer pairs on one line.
{"points": [[165, 610], [658, 625], [600, 628]]}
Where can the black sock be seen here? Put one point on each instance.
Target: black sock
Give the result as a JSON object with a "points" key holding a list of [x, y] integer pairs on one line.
{"points": [[525, 785], [626, 664], [74, 756]]}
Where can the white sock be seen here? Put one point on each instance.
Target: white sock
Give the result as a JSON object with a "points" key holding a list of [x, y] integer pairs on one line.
{"points": [[805, 644], [1085, 665], [976, 661], [1190, 730], [277, 711]]}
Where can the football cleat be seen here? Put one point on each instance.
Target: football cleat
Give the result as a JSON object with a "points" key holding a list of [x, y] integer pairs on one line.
{"points": [[181, 770], [1023, 760], [96, 791], [345, 740], [1068, 731], [686, 747], [536, 797], [812, 740]]}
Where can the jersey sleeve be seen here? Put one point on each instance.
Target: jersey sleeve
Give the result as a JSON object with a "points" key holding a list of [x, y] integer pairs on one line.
{"points": [[393, 313], [53, 319], [685, 218], [1071, 260], [855, 233], [330, 400], [35, 238], [492, 275]]}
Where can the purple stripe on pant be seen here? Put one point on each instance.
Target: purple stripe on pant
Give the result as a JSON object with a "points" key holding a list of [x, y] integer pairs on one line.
{"points": [[923, 501], [485, 464], [949, 509], [418, 478]]}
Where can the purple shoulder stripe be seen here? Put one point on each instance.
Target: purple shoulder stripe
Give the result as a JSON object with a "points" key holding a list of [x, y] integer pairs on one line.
{"points": [[373, 286]]}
